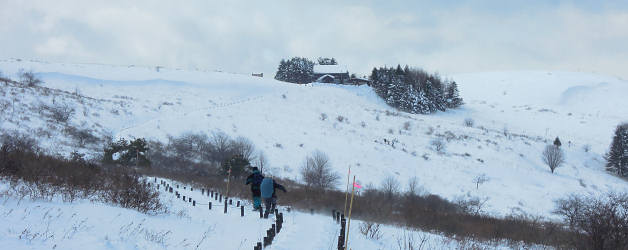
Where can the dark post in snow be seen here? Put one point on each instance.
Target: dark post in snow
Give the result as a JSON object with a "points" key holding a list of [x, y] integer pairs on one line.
{"points": [[191, 189], [220, 199], [242, 211], [261, 214], [194, 203], [184, 198], [155, 179], [225, 205], [190, 199], [157, 186], [202, 191], [210, 205], [212, 194], [230, 202], [177, 185], [238, 204]]}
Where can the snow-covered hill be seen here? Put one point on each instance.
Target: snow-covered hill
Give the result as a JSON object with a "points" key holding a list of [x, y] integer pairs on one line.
{"points": [[515, 115]]}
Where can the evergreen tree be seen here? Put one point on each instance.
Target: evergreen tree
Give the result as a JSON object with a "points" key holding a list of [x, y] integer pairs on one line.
{"points": [[452, 98], [127, 153], [617, 156], [327, 61], [295, 70]]}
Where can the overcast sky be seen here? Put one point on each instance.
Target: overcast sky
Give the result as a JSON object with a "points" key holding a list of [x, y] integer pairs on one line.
{"points": [[252, 36]]}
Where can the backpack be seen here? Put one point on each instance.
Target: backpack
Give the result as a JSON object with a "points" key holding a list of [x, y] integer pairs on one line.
{"points": [[257, 179], [267, 188]]}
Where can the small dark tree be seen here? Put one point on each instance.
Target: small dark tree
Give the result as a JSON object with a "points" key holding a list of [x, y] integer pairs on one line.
{"points": [[127, 153], [617, 156], [553, 156], [557, 142]]}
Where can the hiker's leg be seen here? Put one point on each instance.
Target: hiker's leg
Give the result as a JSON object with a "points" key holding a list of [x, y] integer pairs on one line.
{"points": [[267, 204], [257, 202]]}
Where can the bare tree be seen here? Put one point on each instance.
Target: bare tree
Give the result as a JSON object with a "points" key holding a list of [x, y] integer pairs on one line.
{"points": [[222, 146], [261, 161], [244, 147], [317, 171], [553, 156], [390, 187], [480, 179]]}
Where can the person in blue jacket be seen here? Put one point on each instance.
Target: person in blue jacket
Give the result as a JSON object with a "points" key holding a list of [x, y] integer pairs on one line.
{"points": [[269, 194], [255, 179]]}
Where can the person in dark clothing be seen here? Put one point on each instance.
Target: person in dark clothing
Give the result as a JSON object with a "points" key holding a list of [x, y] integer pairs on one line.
{"points": [[269, 193], [255, 179]]}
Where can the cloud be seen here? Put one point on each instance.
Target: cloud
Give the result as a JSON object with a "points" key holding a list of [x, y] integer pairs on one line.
{"points": [[252, 36]]}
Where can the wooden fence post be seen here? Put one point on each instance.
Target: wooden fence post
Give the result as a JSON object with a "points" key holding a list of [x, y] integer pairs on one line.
{"points": [[225, 205], [242, 211], [194, 203], [210, 205]]}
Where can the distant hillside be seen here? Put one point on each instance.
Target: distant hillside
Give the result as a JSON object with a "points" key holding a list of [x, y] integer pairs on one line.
{"points": [[515, 114]]}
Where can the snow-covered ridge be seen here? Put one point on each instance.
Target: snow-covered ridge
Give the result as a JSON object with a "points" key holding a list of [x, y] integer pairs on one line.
{"points": [[515, 114]]}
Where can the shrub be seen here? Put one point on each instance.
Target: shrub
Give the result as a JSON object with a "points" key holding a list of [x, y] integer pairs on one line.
{"points": [[29, 79], [46, 176], [438, 145], [468, 122], [603, 220], [370, 230], [317, 171], [60, 113]]}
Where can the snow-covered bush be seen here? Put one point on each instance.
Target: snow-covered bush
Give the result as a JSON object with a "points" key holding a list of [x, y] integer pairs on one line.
{"points": [[468, 122], [438, 145]]}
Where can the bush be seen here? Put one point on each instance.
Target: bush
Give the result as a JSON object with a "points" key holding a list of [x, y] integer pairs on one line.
{"points": [[82, 136], [46, 176], [60, 113], [29, 79], [603, 220], [438, 145], [468, 122], [317, 171]]}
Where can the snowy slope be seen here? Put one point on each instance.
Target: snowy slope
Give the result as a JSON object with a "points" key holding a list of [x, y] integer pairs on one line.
{"points": [[516, 114], [85, 225]]}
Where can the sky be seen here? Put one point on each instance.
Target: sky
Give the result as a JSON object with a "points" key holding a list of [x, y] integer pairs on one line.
{"points": [[446, 36]]}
